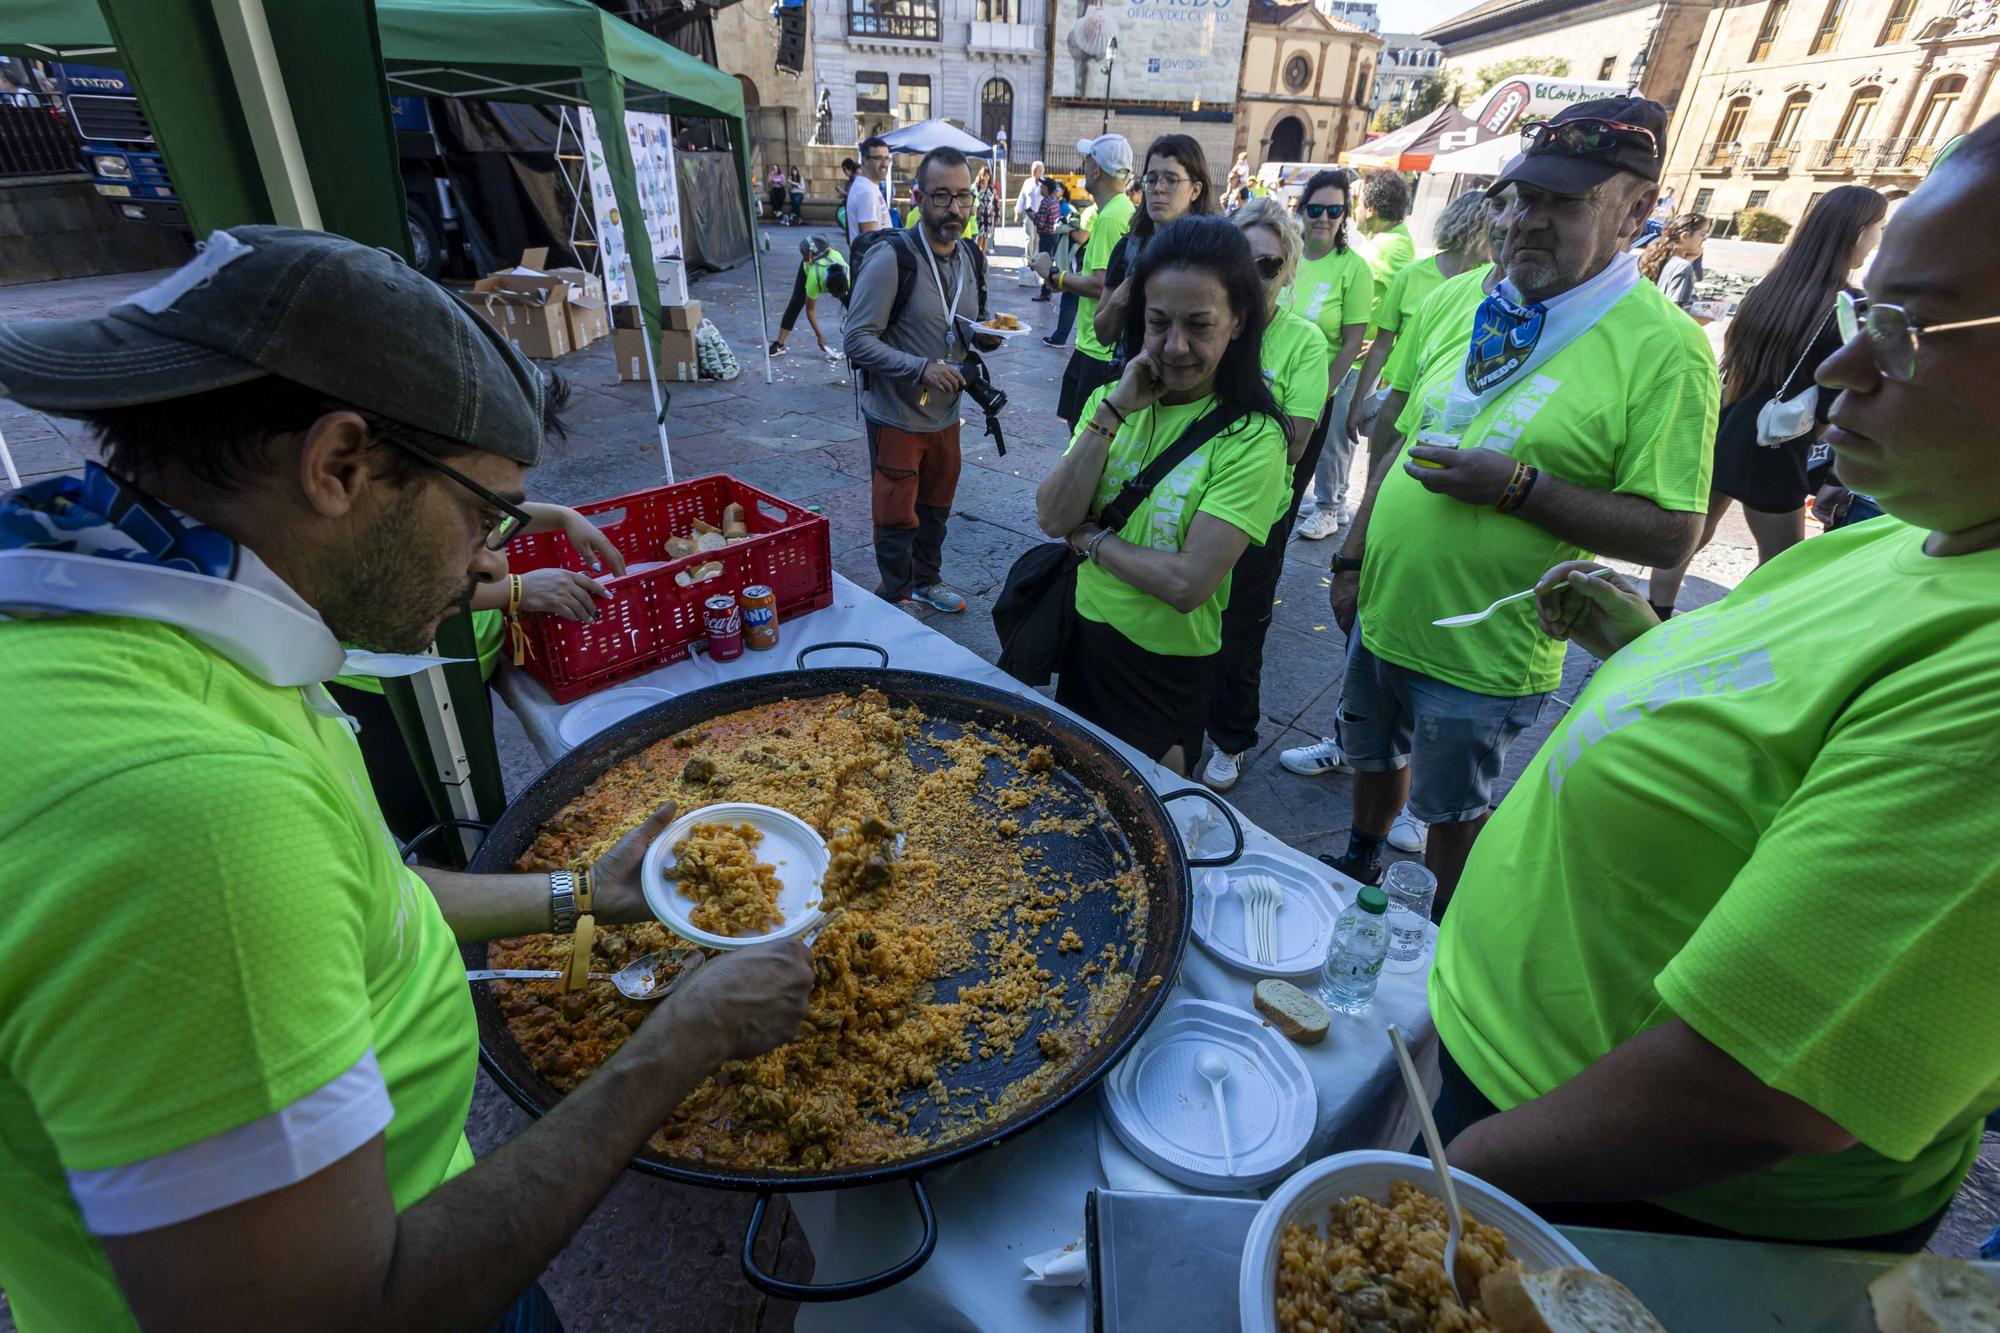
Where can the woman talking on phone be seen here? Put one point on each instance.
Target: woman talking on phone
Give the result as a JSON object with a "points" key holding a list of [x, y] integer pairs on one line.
{"points": [[1142, 659]]}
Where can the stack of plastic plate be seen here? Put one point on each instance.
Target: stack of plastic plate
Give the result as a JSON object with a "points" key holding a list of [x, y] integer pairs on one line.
{"points": [[586, 717], [1164, 1110], [1305, 919]]}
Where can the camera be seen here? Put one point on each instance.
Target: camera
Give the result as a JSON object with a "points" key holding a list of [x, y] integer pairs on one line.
{"points": [[981, 389]]}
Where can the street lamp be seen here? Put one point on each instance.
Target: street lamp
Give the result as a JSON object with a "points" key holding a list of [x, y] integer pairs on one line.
{"points": [[1110, 59]]}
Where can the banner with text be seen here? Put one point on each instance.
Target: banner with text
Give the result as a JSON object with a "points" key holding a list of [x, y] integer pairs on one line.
{"points": [[1161, 50], [652, 139]]}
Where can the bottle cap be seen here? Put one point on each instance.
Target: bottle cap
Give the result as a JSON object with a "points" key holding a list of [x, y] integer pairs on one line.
{"points": [[1372, 899]]}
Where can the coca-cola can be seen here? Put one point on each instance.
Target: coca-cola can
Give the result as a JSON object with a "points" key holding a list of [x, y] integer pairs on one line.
{"points": [[760, 617], [724, 624]]}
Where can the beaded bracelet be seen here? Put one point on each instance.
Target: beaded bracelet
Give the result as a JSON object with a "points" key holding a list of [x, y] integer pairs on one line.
{"points": [[1091, 425], [1517, 489]]}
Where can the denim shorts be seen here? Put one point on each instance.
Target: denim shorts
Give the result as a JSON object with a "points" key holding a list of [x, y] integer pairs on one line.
{"points": [[1458, 739]]}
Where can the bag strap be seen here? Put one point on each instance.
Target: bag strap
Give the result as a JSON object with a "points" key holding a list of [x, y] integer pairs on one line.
{"points": [[1806, 351], [1119, 512]]}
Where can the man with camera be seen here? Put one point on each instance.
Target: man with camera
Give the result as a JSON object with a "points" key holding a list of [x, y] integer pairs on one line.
{"points": [[915, 294]]}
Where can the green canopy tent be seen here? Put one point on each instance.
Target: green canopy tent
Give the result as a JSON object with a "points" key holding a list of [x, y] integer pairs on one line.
{"points": [[566, 52]]}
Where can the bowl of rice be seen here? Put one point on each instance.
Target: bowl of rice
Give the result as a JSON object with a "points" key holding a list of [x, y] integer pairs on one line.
{"points": [[1357, 1240]]}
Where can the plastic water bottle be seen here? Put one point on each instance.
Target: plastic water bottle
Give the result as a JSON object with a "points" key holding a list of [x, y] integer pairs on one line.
{"points": [[1354, 959]]}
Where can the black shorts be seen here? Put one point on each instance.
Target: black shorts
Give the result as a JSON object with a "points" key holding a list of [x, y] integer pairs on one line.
{"points": [[1081, 378], [1151, 701]]}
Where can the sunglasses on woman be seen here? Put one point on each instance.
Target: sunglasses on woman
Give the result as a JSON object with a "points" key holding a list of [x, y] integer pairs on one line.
{"points": [[1269, 267], [1893, 337], [1325, 210], [1582, 137]]}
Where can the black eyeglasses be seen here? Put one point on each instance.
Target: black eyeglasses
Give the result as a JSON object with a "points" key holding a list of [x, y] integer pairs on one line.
{"points": [[1269, 267], [1325, 210], [1893, 337], [945, 199], [500, 528], [1583, 137]]}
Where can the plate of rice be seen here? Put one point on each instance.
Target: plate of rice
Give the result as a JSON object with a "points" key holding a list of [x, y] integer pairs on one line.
{"points": [[1357, 1240]]}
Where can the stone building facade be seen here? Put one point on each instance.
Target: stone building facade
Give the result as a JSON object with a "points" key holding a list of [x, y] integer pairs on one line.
{"points": [[889, 63], [1407, 60], [1650, 44], [1793, 99], [1305, 91]]}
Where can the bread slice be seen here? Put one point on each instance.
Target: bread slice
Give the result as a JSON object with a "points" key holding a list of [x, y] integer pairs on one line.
{"points": [[1928, 1293], [1562, 1300], [1292, 1011]]}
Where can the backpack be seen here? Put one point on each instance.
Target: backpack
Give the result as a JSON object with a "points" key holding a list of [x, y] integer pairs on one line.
{"points": [[904, 247]]}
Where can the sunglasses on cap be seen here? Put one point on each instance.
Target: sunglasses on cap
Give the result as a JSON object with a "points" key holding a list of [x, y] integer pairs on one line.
{"points": [[1586, 136], [1269, 267], [1893, 337], [1325, 210]]}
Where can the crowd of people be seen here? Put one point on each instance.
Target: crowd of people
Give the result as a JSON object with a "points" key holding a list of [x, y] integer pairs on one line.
{"points": [[1718, 963]]}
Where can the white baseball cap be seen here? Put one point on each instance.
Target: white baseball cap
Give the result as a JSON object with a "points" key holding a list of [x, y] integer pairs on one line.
{"points": [[1112, 152]]}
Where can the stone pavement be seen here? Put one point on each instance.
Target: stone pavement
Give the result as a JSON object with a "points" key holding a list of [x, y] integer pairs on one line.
{"points": [[661, 1255]]}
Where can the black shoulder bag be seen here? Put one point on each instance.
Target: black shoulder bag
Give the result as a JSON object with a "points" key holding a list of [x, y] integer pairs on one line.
{"points": [[1036, 610]]}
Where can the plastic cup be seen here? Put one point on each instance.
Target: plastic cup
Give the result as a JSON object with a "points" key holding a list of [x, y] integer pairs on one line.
{"points": [[1410, 889]]}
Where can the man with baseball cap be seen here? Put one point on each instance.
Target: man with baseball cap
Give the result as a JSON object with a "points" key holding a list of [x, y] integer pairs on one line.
{"points": [[1569, 412], [1107, 170], [236, 1045]]}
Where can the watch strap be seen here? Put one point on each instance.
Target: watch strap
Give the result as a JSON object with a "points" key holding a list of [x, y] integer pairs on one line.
{"points": [[562, 902]]}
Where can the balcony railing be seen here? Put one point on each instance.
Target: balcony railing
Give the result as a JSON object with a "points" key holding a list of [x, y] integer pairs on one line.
{"points": [[1771, 156], [1906, 155], [1843, 154], [1718, 156], [1850, 156], [904, 22], [1015, 38], [37, 141]]}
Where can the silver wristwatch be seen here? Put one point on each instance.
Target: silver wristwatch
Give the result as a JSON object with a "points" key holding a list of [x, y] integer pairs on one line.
{"points": [[562, 901]]}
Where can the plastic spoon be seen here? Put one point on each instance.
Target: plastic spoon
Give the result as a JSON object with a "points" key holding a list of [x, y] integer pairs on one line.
{"points": [[1434, 1142], [1211, 1066], [1474, 617], [637, 980]]}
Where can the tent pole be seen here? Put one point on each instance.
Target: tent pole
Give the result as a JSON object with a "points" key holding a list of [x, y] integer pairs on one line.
{"points": [[267, 112]]}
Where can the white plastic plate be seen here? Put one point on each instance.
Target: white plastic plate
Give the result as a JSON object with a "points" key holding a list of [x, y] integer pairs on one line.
{"points": [[587, 717], [791, 846], [1164, 1111], [1308, 1199], [1003, 334], [1306, 917]]}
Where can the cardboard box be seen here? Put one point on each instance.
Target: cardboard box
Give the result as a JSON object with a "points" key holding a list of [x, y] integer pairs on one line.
{"points": [[626, 316], [628, 349], [677, 362], [535, 319], [686, 318], [581, 280], [673, 281], [677, 355], [588, 320]]}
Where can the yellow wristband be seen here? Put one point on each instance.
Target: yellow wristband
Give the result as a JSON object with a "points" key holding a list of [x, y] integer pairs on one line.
{"points": [[583, 898], [513, 594]]}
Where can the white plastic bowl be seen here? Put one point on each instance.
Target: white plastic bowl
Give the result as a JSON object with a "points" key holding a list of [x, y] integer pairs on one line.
{"points": [[791, 846], [1308, 1198]]}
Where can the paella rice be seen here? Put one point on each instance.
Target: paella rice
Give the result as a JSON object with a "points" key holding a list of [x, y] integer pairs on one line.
{"points": [[1380, 1266], [716, 865], [958, 948]]}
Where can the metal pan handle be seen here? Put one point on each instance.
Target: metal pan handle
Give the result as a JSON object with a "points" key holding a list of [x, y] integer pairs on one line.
{"points": [[1205, 862], [405, 849], [811, 648], [838, 1291]]}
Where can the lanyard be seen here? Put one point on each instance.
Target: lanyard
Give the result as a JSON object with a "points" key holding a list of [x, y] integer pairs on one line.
{"points": [[958, 289]]}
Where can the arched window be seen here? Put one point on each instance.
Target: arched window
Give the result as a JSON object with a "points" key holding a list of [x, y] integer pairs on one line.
{"points": [[996, 110], [1848, 146], [1937, 109], [1784, 145], [1732, 120]]}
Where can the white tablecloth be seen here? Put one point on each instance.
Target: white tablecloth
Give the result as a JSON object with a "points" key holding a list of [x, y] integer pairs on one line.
{"points": [[1025, 1196]]}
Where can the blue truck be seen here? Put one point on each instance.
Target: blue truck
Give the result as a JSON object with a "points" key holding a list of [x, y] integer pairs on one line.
{"points": [[125, 164]]}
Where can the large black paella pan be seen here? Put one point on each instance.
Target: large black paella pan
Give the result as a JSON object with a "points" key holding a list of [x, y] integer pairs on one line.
{"points": [[1093, 787]]}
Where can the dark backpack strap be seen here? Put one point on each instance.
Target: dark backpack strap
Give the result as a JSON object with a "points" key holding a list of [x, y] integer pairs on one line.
{"points": [[1119, 512], [979, 275]]}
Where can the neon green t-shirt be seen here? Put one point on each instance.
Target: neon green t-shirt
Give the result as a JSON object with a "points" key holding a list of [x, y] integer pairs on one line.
{"points": [[1388, 253], [1405, 292], [1113, 220], [1413, 334], [1629, 406], [1332, 291], [216, 925], [1239, 476], [489, 632], [816, 276], [1770, 817], [1295, 358]]}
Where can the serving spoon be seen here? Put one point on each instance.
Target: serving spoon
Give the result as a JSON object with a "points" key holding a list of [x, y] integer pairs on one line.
{"points": [[637, 980]]}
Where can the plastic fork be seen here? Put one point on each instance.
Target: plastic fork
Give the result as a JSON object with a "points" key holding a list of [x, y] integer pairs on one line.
{"points": [[1474, 617], [1460, 1283]]}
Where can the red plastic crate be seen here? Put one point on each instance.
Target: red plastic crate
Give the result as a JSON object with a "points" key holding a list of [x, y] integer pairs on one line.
{"points": [[651, 620]]}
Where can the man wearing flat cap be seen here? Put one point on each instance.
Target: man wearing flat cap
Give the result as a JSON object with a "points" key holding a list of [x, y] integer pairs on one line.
{"points": [[1572, 413], [236, 1044]]}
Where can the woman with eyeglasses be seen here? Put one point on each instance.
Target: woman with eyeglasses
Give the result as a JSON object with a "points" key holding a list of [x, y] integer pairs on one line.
{"points": [[1175, 183], [1294, 360], [1722, 962], [1147, 640], [1783, 330], [1335, 289]]}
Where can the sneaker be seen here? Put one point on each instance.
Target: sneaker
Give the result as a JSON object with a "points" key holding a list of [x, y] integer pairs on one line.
{"points": [[1312, 761], [1223, 770], [1055, 342], [909, 604], [1408, 833], [941, 598], [1319, 525], [1364, 869], [779, 349]]}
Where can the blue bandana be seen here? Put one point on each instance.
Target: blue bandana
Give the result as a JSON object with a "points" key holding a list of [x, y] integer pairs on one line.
{"points": [[102, 516], [1504, 335]]}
